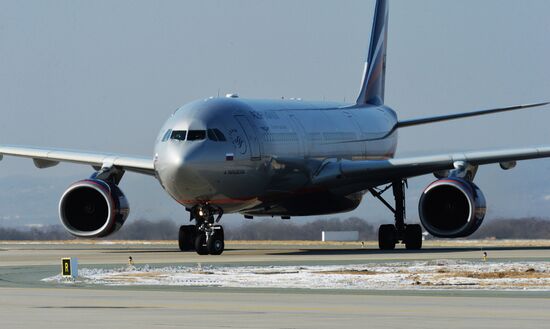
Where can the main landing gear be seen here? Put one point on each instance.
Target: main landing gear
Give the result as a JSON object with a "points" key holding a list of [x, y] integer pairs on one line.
{"points": [[205, 237], [390, 235]]}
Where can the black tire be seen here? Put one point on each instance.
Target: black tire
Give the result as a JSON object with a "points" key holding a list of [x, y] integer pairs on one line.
{"points": [[216, 243], [219, 230], [186, 238], [200, 244], [387, 237], [413, 237]]}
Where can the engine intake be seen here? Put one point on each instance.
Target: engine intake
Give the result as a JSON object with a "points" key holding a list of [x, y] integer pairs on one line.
{"points": [[93, 208], [452, 208]]}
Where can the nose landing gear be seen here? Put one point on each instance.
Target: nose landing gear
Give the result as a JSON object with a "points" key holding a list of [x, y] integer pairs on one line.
{"points": [[205, 237]]}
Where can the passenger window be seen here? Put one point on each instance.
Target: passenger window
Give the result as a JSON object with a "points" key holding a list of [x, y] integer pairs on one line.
{"points": [[219, 135], [178, 135], [212, 135], [196, 135], [167, 135]]}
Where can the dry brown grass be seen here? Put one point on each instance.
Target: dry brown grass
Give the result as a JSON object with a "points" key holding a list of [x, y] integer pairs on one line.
{"points": [[513, 274]]}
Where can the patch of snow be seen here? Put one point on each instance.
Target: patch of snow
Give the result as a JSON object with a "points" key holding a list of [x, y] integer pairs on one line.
{"points": [[439, 274]]}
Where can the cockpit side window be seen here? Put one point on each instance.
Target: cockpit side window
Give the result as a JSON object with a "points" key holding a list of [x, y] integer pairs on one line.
{"points": [[215, 135], [178, 135], [167, 135], [211, 135], [219, 135], [196, 135]]}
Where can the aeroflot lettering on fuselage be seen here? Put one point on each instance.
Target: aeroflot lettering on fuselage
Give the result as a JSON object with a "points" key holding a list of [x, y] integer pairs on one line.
{"points": [[234, 172]]}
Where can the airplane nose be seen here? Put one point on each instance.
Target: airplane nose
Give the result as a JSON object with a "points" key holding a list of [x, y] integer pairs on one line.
{"points": [[180, 173], [186, 165]]}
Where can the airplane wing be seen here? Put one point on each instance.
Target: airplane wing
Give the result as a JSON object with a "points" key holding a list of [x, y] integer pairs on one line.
{"points": [[46, 157], [384, 171], [416, 122]]}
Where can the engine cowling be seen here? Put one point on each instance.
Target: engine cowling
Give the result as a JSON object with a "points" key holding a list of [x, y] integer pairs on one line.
{"points": [[93, 208], [452, 208]]}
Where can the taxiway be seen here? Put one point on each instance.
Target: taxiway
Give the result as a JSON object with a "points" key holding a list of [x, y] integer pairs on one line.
{"points": [[27, 301]]}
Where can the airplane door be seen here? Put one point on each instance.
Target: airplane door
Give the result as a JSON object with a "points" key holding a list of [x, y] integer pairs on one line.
{"points": [[360, 147], [251, 136], [300, 133]]}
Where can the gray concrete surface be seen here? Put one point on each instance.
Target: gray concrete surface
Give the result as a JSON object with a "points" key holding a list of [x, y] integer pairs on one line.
{"points": [[85, 308], [16, 254], [25, 302]]}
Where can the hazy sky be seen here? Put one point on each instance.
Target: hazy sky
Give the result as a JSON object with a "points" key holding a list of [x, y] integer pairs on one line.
{"points": [[104, 75]]}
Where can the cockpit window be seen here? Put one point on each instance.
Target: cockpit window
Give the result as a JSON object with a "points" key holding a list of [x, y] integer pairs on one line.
{"points": [[196, 135], [179, 135], [167, 135]]}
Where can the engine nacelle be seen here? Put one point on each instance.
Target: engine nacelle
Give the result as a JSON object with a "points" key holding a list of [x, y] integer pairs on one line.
{"points": [[93, 208], [452, 208]]}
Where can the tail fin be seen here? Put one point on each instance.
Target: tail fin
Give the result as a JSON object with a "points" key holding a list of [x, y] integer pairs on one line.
{"points": [[374, 76]]}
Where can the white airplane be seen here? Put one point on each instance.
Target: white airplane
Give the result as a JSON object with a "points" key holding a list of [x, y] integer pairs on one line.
{"points": [[285, 158]]}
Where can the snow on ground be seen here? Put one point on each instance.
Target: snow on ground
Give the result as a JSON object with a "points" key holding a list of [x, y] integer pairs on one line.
{"points": [[440, 274]]}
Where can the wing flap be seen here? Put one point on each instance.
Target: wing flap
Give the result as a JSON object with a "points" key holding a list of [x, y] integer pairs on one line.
{"points": [[41, 163]]}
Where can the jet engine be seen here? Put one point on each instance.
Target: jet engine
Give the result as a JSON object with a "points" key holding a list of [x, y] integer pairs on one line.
{"points": [[93, 208], [452, 208]]}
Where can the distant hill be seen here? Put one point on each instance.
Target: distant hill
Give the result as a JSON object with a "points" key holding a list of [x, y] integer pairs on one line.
{"points": [[521, 228]]}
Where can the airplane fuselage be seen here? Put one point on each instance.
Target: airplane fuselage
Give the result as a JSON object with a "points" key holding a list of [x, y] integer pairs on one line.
{"points": [[258, 157]]}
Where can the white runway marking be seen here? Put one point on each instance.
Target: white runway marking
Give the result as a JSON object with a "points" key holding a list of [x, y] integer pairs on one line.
{"points": [[442, 274]]}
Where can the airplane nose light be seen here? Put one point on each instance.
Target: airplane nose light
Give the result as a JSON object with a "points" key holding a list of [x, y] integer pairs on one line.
{"points": [[204, 212]]}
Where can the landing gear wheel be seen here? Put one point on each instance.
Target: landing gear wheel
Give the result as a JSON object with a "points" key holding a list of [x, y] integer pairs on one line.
{"points": [[216, 243], [387, 237], [186, 239], [413, 237], [200, 244], [209, 237]]}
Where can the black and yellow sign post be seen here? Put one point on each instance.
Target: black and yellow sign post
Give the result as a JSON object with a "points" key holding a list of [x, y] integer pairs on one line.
{"points": [[69, 267]]}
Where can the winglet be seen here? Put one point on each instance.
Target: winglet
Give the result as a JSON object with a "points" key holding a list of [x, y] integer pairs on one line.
{"points": [[374, 76]]}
